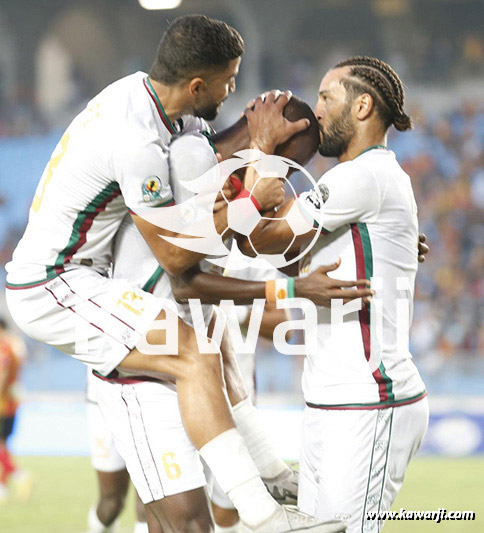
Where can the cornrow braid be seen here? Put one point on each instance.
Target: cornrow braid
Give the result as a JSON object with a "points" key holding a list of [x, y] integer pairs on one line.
{"points": [[383, 83]]}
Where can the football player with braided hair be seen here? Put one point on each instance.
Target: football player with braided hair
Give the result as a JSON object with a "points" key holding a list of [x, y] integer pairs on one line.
{"points": [[367, 410]]}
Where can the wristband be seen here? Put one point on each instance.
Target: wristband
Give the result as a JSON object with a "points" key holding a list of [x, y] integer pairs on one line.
{"points": [[236, 183], [244, 193], [279, 289]]}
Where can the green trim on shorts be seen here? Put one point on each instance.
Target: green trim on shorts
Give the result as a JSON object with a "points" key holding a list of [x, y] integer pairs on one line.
{"points": [[376, 405]]}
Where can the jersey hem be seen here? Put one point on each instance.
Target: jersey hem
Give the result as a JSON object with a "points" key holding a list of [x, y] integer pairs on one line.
{"points": [[114, 377], [369, 406]]}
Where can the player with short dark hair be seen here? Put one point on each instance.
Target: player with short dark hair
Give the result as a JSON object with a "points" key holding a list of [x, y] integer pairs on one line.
{"points": [[112, 162], [367, 410], [192, 45]]}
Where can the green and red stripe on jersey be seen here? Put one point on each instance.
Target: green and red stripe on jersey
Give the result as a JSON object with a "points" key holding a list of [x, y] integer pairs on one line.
{"points": [[164, 117], [30, 285], [82, 225], [364, 270]]}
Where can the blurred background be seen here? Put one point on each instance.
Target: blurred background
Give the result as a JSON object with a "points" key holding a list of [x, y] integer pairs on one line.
{"points": [[56, 54]]}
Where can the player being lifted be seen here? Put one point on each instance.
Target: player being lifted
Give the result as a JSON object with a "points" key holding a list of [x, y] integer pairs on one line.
{"points": [[367, 410], [112, 160]]}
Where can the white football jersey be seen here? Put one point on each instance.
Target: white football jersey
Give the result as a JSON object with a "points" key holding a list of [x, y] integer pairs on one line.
{"points": [[111, 159], [369, 220], [190, 156]]}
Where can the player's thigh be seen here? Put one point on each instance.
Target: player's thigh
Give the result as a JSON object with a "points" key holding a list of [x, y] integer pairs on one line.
{"points": [[409, 427], [171, 350], [149, 435], [104, 455], [351, 462], [186, 512]]}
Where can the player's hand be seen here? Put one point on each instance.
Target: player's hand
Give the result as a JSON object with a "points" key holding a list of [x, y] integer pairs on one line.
{"points": [[227, 194], [321, 289], [269, 192], [251, 103], [267, 126], [423, 248]]}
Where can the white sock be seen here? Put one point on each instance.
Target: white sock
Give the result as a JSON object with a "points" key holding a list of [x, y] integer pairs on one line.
{"points": [[229, 460], [265, 457], [230, 529], [96, 526], [140, 527]]}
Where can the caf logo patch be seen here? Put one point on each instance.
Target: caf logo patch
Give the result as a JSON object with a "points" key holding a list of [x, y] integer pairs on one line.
{"points": [[151, 188]]}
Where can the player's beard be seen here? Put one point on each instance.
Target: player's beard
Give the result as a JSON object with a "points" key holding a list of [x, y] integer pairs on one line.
{"points": [[337, 137], [207, 110]]}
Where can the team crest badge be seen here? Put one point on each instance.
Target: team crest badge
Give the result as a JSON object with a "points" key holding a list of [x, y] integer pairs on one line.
{"points": [[151, 188]]}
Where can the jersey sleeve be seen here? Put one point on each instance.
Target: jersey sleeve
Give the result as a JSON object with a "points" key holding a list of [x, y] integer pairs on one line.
{"points": [[142, 172], [346, 194], [191, 155], [196, 124]]}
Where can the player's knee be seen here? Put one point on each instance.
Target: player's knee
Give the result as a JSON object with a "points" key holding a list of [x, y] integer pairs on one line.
{"points": [[110, 507]]}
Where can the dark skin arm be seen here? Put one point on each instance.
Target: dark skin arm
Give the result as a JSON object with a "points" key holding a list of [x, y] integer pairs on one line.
{"points": [[270, 319], [274, 236], [174, 259], [317, 287], [268, 128]]}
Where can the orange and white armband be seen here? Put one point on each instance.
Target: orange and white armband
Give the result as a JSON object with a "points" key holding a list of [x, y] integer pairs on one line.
{"points": [[279, 289]]}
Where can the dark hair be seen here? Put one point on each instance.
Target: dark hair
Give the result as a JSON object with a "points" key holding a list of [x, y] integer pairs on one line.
{"points": [[301, 147], [3, 323], [194, 43], [375, 77]]}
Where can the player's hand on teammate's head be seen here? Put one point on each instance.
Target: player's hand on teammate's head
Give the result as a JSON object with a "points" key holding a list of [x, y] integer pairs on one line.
{"points": [[423, 249], [269, 192], [321, 289], [251, 103], [226, 194], [267, 125]]}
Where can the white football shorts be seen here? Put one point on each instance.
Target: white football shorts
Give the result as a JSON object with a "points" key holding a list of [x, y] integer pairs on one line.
{"points": [[104, 455], [145, 422], [94, 319], [353, 462]]}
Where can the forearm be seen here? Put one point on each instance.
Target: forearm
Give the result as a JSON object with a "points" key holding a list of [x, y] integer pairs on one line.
{"points": [[272, 318], [212, 288], [274, 236], [176, 259]]}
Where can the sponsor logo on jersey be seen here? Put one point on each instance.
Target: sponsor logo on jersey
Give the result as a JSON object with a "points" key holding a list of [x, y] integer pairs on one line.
{"points": [[151, 188]]}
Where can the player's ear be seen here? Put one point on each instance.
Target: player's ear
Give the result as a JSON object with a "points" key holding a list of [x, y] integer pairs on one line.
{"points": [[195, 86], [364, 106]]}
